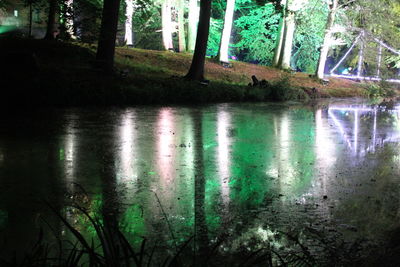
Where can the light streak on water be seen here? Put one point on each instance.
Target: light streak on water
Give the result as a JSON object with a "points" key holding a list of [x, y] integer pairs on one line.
{"points": [[127, 171], [224, 163], [355, 131], [70, 150], [165, 145]]}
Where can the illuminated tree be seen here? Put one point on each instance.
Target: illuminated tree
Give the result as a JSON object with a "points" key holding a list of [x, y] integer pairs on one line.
{"points": [[279, 41], [226, 33], [193, 19], [108, 33], [166, 25], [288, 27], [181, 25], [128, 22], [69, 22], [196, 71]]}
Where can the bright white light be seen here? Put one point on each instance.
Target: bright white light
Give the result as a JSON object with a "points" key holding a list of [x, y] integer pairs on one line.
{"points": [[15, 13]]}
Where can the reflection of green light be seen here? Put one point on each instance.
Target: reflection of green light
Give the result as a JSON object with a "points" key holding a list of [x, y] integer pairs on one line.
{"points": [[61, 154], [7, 28], [132, 222]]}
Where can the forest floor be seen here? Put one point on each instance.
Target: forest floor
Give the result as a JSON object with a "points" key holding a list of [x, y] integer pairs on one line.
{"points": [[40, 72]]}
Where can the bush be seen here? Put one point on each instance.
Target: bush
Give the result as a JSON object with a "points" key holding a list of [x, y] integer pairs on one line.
{"points": [[282, 90], [381, 89]]}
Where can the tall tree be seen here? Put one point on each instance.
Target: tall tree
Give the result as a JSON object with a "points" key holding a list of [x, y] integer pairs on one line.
{"points": [[128, 22], [226, 32], [196, 71], [193, 19], [286, 40], [279, 41], [108, 34], [166, 24], [51, 20], [327, 38], [181, 25]]}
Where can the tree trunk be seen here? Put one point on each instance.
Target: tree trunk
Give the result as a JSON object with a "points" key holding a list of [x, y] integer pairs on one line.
{"points": [[226, 33], [108, 35], [51, 20], [327, 40], [379, 63], [360, 56], [287, 42], [69, 22], [128, 22], [192, 25], [181, 25], [279, 42], [196, 71], [166, 25]]}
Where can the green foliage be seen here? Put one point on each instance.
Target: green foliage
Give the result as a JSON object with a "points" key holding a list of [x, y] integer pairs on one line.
{"points": [[309, 35], [87, 19], [283, 90], [258, 31], [146, 23], [381, 89], [214, 37]]}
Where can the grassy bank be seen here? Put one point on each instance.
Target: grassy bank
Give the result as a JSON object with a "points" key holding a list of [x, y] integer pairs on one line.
{"points": [[38, 72]]}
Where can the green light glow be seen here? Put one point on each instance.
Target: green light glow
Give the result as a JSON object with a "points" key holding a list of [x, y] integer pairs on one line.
{"points": [[6, 29]]}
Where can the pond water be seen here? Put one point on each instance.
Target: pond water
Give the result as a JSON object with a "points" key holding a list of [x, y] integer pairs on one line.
{"points": [[243, 171]]}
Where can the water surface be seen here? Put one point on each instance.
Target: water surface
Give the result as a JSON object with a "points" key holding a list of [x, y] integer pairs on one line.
{"points": [[168, 173]]}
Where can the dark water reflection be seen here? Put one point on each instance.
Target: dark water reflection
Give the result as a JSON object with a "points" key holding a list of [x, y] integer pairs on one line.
{"points": [[170, 173]]}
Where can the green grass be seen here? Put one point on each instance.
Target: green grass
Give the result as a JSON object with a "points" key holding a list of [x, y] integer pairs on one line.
{"points": [[67, 76]]}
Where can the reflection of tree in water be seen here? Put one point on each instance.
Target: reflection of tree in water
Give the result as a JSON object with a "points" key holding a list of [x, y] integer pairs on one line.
{"points": [[201, 232]]}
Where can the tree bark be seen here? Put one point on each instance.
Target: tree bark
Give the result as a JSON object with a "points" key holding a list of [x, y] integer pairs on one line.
{"points": [[379, 63], [360, 56], [51, 20], [287, 42], [327, 39], [166, 25], [281, 31], [128, 22], [196, 71], [279, 42], [226, 32], [108, 35], [181, 25], [192, 25], [69, 22]]}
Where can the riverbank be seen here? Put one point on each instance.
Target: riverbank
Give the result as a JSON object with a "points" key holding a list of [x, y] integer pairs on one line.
{"points": [[38, 72]]}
